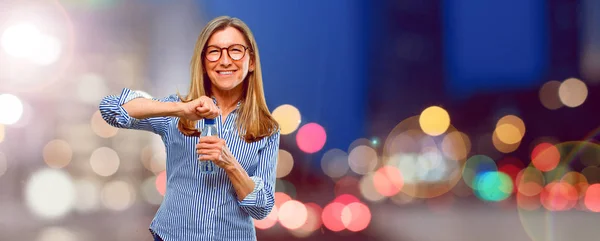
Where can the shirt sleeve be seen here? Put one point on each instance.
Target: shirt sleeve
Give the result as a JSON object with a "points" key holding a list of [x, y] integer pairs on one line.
{"points": [[261, 200], [112, 111]]}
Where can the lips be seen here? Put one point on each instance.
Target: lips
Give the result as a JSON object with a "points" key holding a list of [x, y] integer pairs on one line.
{"points": [[226, 72]]}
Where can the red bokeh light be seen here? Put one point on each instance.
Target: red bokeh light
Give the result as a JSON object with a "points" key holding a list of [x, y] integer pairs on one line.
{"points": [[311, 138]]}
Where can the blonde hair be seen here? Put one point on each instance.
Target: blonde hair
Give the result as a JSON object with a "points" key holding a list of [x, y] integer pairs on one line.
{"points": [[254, 121]]}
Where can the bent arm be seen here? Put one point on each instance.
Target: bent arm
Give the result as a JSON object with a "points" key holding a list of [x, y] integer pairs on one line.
{"points": [[256, 193], [142, 108], [135, 110]]}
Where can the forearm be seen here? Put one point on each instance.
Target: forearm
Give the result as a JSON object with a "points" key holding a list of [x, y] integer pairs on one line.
{"points": [[142, 108], [240, 180]]}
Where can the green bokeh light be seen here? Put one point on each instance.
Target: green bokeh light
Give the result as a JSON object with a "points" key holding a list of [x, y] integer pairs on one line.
{"points": [[493, 186]]}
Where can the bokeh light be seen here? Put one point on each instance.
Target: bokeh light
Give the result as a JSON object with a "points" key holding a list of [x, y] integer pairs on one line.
{"points": [[334, 163], [12, 109], [105, 161], [456, 145], [530, 181], [368, 189], [20, 40], [285, 163], [572, 92], [434, 120], [154, 157], [101, 128], [545, 157], [311, 138], [288, 118], [356, 216], [286, 187], [269, 221], [362, 159], [558, 196], [347, 185], [281, 198], [161, 183], [3, 164], [2, 132], [510, 129], [292, 214], [313, 221], [502, 146], [493, 186], [149, 191], [332, 216], [57, 234], [477, 165], [592, 198], [388, 181], [117, 195], [549, 95], [50, 193], [57, 153]]}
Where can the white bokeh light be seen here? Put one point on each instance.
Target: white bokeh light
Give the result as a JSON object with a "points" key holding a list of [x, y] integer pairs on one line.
{"points": [[47, 51], [50, 193], [11, 109], [20, 40], [56, 234]]}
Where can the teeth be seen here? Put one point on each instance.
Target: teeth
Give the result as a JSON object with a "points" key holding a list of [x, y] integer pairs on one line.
{"points": [[226, 72]]}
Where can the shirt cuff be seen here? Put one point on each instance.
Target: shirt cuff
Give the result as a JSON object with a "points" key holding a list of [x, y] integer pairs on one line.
{"points": [[127, 95], [253, 199]]}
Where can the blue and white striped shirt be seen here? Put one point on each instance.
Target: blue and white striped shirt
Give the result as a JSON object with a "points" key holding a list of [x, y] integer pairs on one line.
{"points": [[199, 206]]}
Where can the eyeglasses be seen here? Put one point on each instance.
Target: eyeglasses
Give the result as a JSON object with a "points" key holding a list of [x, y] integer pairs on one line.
{"points": [[235, 52]]}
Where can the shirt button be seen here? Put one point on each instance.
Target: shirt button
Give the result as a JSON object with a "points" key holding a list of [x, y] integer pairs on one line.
{"points": [[212, 210]]}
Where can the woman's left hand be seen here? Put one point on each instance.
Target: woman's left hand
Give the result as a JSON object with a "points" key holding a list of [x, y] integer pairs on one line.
{"points": [[212, 148]]}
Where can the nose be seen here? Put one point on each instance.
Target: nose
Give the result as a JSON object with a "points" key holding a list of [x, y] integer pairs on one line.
{"points": [[225, 60]]}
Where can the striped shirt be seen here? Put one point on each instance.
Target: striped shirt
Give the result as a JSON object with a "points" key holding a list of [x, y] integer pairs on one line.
{"points": [[200, 206]]}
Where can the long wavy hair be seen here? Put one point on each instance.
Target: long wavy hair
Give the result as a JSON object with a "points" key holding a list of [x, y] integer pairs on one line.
{"points": [[254, 121]]}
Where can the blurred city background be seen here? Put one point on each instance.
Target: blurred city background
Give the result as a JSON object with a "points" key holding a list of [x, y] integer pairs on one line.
{"points": [[402, 120]]}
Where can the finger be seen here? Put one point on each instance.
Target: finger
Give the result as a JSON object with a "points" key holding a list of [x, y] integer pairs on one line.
{"points": [[209, 146], [203, 109], [210, 140], [204, 152], [209, 156]]}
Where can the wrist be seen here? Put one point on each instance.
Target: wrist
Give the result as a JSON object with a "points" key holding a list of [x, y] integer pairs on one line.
{"points": [[178, 109]]}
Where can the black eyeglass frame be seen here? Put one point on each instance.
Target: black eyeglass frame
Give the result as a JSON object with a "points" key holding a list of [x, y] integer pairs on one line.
{"points": [[228, 52]]}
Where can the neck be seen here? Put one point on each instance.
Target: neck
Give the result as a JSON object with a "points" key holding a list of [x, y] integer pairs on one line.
{"points": [[227, 99]]}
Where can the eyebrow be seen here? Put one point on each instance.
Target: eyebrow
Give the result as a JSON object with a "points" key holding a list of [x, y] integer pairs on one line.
{"points": [[208, 45]]}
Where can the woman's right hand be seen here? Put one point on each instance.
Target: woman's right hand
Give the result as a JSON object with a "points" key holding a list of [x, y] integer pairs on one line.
{"points": [[200, 108]]}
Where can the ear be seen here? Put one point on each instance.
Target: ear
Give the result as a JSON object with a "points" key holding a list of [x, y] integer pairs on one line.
{"points": [[251, 67]]}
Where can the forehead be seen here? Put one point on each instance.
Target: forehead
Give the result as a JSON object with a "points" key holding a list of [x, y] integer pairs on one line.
{"points": [[227, 37]]}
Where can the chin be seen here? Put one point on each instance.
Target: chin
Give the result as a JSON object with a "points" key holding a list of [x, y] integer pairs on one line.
{"points": [[227, 86]]}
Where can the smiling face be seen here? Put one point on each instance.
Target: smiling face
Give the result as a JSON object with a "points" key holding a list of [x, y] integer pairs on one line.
{"points": [[227, 59]]}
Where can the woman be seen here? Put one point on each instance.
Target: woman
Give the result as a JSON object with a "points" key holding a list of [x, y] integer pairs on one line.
{"points": [[226, 85]]}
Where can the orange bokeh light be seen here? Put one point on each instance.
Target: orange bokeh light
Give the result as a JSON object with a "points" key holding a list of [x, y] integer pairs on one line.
{"points": [[545, 157], [161, 183], [388, 181], [592, 197]]}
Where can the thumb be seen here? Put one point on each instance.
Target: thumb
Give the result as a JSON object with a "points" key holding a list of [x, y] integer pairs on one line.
{"points": [[200, 103]]}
